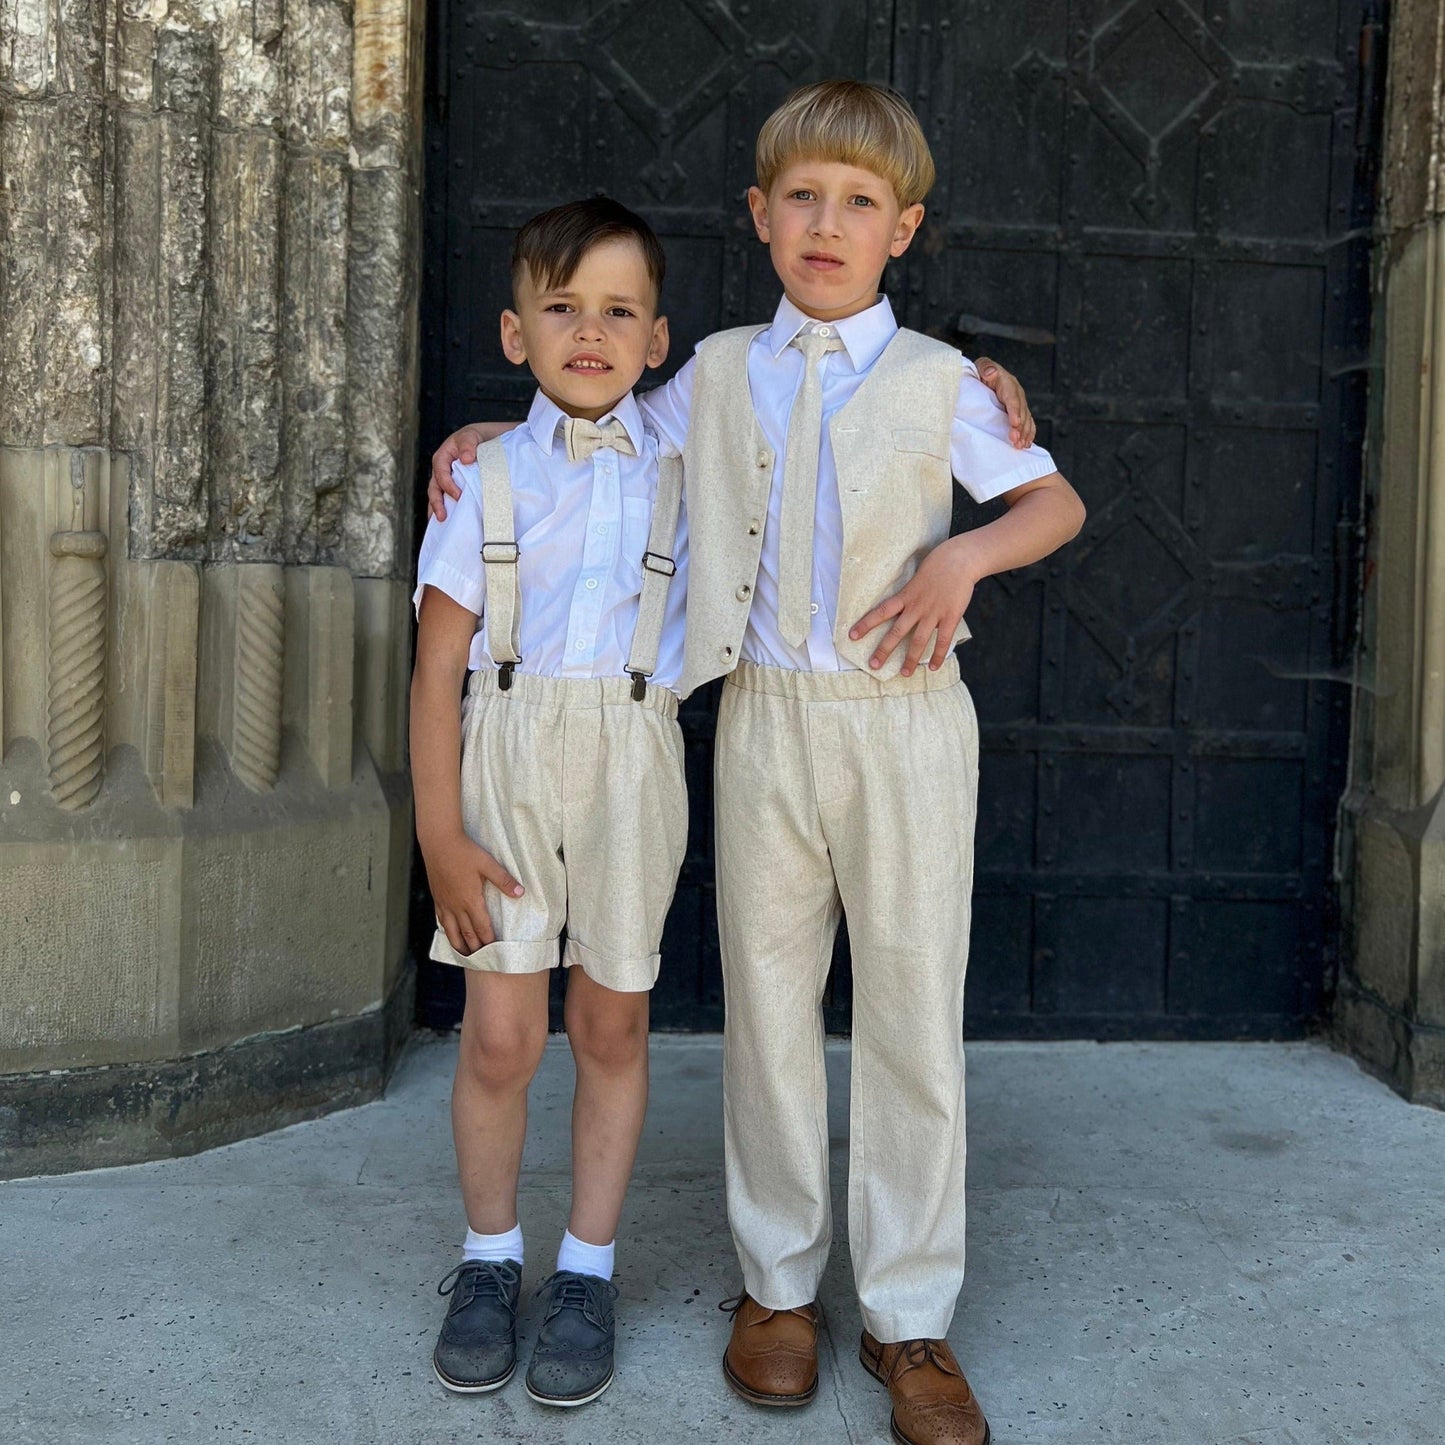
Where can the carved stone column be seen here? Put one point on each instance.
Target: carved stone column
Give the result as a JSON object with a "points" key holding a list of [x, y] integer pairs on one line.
{"points": [[209, 264], [1391, 1005]]}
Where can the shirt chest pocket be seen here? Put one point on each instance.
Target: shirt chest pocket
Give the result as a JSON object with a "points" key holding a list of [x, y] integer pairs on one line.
{"points": [[636, 528]]}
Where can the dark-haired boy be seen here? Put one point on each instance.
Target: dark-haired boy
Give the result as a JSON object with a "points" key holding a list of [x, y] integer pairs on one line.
{"points": [[564, 770]]}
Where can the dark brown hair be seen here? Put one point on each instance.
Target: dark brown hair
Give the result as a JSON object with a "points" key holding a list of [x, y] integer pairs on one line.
{"points": [[551, 245]]}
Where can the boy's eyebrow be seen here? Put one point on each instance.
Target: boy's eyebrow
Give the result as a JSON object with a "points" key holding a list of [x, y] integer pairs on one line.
{"points": [[565, 293]]}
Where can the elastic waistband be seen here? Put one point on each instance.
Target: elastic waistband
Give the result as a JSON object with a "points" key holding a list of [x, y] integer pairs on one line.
{"points": [[831, 686], [570, 692]]}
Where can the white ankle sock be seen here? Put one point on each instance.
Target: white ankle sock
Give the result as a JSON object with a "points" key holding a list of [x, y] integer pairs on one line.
{"points": [[494, 1246], [583, 1258]]}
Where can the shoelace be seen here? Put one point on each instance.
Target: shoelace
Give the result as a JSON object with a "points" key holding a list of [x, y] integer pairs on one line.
{"points": [[917, 1353], [482, 1279], [730, 1307], [574, 1291]]}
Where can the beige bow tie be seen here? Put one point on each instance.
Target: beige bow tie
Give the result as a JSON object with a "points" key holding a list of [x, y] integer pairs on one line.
{"points": [[800, 488], [584, 437]]}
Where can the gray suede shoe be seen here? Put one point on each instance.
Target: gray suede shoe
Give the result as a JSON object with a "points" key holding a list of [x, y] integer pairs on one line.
{"points": [[477, 1348], [572, 1359]]}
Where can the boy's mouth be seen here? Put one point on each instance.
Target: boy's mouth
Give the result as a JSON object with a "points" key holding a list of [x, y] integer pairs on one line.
{"points": [[588, 365], [822, 260]]}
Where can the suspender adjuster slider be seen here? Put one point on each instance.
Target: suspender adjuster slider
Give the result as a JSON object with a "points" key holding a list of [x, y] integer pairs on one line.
{"points": [[656, 562], [504, 552], [504, 676], [639, 686]]}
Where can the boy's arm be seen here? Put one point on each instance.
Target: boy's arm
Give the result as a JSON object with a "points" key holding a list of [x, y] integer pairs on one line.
{"points": [[460, 446], [457, 868], [1042, 515]]}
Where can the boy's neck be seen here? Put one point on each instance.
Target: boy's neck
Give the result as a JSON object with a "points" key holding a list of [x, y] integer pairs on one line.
{"points": [[584, 413], [842, 313]]}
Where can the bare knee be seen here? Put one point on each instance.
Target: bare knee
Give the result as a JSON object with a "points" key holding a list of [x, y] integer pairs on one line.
{"points": [[500, 1055], [610, 1034]]}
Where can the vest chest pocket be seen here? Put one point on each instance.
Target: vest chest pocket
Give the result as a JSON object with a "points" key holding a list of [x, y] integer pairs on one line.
{"points": [[916, 439]]}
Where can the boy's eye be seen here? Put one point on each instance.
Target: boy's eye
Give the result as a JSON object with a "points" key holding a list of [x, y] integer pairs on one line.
{"points": [[801, 195], [618, 311], [559, 306], [863, 200]]}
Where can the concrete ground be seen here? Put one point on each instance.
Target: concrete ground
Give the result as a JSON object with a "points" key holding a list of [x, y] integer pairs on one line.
{"points": [[1168, 1243]]}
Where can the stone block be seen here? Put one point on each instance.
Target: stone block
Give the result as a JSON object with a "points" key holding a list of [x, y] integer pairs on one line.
{"points": [[242, 667], [320, 657]]}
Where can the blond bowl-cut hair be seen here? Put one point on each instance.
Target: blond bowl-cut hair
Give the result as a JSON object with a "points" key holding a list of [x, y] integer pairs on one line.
{"points": [[852, 122]]}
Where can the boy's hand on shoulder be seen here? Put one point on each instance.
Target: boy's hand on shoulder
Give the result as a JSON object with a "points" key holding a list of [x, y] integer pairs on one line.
{"points": [[1022, 429], [929, 607], [457, 872], [460, 446]]}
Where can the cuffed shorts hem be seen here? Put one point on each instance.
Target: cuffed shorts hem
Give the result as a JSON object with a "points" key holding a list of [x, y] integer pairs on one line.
{"points": [[621, 975], [503, 956]]}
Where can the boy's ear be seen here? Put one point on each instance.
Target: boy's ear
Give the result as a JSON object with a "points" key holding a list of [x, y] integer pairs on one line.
{"points": [[909, 220], [657, 349], [513, 347], [758, 205]]}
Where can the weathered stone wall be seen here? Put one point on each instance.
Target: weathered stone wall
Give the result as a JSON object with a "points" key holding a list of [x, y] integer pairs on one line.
{"points": [[209, 261], [1391, 1008]]}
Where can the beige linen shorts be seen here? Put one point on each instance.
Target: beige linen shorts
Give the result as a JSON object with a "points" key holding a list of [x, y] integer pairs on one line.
{"points": [[578, 791]]}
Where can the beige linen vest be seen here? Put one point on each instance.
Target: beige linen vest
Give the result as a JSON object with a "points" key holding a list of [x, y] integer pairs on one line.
{"points": [[891, 446]]}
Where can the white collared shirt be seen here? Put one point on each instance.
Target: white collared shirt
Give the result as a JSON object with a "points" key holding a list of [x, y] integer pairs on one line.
{"points": [[984, 461], [582, 528]]}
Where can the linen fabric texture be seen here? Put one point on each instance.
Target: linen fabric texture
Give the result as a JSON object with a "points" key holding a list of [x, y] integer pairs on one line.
{"points": [[903, 415], [578, 791], [841, 791]]}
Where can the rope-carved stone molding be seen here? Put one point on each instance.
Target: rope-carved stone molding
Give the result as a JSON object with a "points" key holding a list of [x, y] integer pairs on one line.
{"points": [[76, 679], [260, 659]]}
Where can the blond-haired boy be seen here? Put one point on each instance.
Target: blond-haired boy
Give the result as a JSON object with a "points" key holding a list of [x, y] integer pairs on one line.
{"points": [[821, 452]]}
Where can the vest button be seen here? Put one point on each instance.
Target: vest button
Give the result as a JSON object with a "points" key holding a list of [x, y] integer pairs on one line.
{"points": [[763, 459], [744, 592], [753, 528], [727, 652]]}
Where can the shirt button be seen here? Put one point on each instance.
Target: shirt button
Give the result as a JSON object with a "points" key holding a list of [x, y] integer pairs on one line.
{"points": [[602, 531], [592, 586], [825, 331], [581, 646], [813, 608], [744, 592]]}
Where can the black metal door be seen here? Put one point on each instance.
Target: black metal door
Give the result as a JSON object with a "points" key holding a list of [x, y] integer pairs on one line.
{"points": [[1157, 216]]}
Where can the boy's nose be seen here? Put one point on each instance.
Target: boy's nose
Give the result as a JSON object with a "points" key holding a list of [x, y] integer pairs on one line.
{"points": [[825, 221]]}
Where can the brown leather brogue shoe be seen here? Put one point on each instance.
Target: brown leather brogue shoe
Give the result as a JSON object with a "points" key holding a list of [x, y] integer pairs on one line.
{"points": [[772, 1357], [932, 1403]]}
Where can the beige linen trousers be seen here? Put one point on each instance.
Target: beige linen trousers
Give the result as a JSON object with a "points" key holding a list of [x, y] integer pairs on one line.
{"points": [[846, 793]]}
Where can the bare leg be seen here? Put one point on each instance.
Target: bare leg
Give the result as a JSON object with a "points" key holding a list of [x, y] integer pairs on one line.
{"points": [[608, 1034], [504, 1030]]}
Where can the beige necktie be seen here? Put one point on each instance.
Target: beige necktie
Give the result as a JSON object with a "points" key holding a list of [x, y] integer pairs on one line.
{"points": [[800, 489], [584, 437]]}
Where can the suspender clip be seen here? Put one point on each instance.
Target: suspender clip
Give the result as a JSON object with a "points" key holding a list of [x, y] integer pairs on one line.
{"points": [[504, 675], [656, 562], [639, 686]]}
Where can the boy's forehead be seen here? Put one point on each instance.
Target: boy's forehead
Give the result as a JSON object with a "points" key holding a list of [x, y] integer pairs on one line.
{"points": [[614, 262], [820, 167]]}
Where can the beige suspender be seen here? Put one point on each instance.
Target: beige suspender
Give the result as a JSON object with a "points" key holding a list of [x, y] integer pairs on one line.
{"points": [[499, 564], [658, 570], [499, 561]]}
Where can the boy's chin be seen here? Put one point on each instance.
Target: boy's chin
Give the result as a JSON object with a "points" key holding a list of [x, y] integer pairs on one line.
{"points": [[598, 396]]}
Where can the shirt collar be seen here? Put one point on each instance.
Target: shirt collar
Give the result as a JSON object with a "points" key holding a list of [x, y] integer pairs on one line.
{"points": [[546, 416], [864, 334]]}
